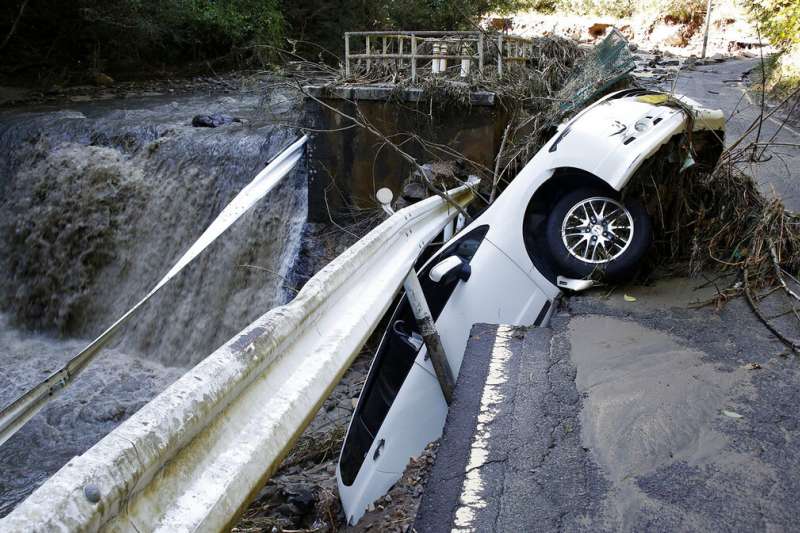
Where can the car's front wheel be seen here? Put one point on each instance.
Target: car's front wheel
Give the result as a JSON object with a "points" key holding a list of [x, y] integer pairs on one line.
{"points": [[592, 233]]}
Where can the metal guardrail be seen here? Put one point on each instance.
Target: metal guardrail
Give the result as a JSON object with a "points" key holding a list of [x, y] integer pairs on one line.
{"points": [[191, 459], [435, 52]]}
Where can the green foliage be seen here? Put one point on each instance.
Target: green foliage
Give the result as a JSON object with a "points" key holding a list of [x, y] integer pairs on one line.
{"points": [[118, 36], [614, 8], [543, 6], [782, 73], [778, 20], [681, 11], [123, 35], [182, 29]]}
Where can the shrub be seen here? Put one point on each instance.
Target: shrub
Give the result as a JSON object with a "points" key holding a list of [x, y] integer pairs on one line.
{"points": [[131, 34], [778, 20], [682, 11]]}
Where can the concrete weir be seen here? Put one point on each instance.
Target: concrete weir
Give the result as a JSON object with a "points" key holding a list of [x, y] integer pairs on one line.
{"points": [[348, 164]]}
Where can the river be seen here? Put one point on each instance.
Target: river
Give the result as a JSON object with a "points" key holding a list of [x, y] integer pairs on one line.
{"points": [[97, 201]]}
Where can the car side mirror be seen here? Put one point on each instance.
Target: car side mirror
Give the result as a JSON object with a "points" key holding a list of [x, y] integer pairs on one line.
{"points": [[450, 269]]}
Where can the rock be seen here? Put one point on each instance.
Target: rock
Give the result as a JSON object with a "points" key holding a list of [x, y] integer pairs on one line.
{"points": [[303, 499], [501, 24], [415, 191], [628, 33], [287, 509], [678, 39], [213, 121], [598, 29], [103, 80]]}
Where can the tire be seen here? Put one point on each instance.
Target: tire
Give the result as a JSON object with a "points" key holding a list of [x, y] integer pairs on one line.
{"points": [[584, 245]]}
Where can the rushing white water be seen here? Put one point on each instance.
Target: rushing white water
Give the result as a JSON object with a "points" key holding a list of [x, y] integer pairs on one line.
{"points": [[107, 393], [96, 203]]}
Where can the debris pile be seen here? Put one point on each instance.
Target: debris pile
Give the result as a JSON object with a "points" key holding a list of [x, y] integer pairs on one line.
{"points": [[715, 219]]}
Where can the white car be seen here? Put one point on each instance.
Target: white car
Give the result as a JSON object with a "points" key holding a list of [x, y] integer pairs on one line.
{"points": [[559, 221]]}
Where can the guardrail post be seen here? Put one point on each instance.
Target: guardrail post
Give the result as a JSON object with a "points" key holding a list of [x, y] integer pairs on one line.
{"points": [[499, 55], [347, 54], [413, 57], [419, 306], [480, 54]]}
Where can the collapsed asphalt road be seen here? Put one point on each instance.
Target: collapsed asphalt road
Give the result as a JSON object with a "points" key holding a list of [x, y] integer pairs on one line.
{"points": [[724, 85], [626, 416]]}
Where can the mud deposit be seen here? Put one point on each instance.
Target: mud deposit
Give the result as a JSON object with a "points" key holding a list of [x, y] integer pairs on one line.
{"points": [[97, 201]]}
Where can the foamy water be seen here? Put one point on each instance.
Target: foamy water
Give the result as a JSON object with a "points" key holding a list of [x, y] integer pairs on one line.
{"points": [[96, 204]]}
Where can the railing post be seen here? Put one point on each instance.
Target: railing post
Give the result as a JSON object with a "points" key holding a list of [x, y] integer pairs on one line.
{"points": [[465, 63], [422, 314], [400, 53], [385, 49], [413, 57], [499, 55], [480, 54], [347, 54], [369, 61]]}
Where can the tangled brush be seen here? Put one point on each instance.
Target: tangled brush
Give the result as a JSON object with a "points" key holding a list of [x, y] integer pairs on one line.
{"points": [[714, 218]]}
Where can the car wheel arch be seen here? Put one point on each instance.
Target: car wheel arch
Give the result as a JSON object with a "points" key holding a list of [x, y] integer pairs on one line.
{"points": [[561, 182]]}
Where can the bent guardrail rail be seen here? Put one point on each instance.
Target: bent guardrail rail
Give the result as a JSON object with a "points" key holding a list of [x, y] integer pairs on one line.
{"points": [[192, 457]]}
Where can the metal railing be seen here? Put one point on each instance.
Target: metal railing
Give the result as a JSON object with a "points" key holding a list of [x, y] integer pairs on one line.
{"points": [[191, 458], [412, 53]]}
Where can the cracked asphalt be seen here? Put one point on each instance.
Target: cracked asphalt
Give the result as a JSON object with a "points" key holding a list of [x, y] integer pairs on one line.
{"points": [[724, 86], [623, 416]]}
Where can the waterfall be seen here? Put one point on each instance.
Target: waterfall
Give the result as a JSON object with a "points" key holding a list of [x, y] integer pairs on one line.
{"points": [[96, 204]]}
